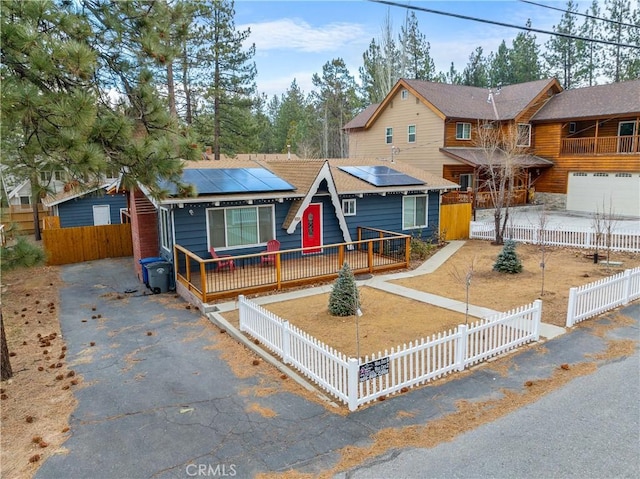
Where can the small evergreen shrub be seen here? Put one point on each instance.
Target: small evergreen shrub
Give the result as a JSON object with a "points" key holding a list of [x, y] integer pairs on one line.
{"points": [[508, 261], [22, 254], [344, 299]]}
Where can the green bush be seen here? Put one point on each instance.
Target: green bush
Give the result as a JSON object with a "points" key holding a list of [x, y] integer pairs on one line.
{"points": [[22, 254], [421, 249], [344, 299], [508, 261]]}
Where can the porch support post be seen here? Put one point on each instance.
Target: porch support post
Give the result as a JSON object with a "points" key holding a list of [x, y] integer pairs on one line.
{"points": [[203, 280], [370, 255], [340, 256], [407, 251], [278, 271]]}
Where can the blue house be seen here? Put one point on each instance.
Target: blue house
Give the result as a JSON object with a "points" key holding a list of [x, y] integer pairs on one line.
{"points": [[240, 204], [93, 206]]}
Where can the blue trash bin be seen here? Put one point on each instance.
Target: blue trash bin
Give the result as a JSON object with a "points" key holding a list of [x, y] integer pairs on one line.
{"points": [[144, 262]]}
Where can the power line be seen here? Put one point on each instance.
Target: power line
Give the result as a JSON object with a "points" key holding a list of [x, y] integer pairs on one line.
{"points": [[581, 14], [502, 24]]}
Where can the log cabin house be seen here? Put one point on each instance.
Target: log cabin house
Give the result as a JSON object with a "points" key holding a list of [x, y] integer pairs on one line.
{"points": [[577, 149]]}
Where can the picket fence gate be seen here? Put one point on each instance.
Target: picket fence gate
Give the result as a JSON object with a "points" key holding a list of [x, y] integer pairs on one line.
{"points": [[603, 295], [624, 240], [408, 365]]}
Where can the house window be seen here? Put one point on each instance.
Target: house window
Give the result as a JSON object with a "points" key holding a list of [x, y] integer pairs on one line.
{"points": [[349, 207], [404, 94], [524, 134], [25, 200], [463, 131], [239, 227], [626, 131], [573, 127], [466, 181], [411, 133], [389, 136], [45, 176], [414, 212], [59, 175], [165, 228]]}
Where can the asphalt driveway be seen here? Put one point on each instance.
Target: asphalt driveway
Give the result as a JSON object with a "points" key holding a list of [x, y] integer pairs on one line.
{"points": [[166, 405]]}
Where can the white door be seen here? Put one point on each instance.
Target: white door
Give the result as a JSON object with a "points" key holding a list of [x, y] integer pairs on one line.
{"points": [[101, 215], [591, 192]]}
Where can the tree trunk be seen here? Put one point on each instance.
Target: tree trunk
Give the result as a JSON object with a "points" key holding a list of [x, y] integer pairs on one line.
{"points": [[172, 91], [5, 365], [35, 200]]}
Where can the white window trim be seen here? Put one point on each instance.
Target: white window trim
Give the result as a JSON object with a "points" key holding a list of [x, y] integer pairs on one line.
{"points": [[350, 209], [404, 94], [528, 141], [426, 212], [409, 140], [463, 131], [388, 139], [165, 228], [226, 239]]}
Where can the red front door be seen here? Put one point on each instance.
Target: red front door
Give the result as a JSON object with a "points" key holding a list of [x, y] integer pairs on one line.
{"points": [[312, 228]]}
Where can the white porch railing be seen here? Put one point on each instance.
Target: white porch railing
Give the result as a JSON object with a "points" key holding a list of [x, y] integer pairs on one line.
{"points": [[624, 240], [603, 295], [407, 366]]}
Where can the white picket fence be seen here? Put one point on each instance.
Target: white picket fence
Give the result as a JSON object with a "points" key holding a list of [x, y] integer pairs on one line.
{"points": [[408, 365], [623, 240], [603, 295]]}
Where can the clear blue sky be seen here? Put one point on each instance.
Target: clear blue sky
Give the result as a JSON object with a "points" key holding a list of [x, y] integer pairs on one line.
{"points": [[295, 38]]}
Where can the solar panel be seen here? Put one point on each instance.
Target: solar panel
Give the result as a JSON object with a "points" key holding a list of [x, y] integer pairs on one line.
{"points": [[208, 181], [378, 175]]}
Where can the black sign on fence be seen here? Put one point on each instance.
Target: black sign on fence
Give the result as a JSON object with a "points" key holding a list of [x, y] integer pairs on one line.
{"points": [[373, 369]]}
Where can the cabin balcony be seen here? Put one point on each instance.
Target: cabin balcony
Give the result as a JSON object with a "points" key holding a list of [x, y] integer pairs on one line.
{"points": [[482, 199], [208, 280], [601, 145]]}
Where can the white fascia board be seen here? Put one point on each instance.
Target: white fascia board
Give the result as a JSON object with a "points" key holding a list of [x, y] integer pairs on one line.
{"points": [[323, 174], [224, 199]]}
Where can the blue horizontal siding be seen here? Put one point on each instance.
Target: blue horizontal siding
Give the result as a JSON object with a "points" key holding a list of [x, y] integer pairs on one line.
{"points": [[374, 211], [79, 211]]}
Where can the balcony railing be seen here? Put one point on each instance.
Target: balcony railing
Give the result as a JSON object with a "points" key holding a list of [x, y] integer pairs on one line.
{"points": [[518, 197], [602, 145], [209, 280]]}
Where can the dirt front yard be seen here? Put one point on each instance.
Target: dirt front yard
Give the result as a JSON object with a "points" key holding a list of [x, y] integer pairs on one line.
{"points": [[390, 320]]}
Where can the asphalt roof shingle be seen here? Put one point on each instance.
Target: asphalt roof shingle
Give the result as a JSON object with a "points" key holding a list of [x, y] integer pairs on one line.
{"points": [[590, 102]]}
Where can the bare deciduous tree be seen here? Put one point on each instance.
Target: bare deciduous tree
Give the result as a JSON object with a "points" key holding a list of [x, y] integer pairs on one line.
{"points": [[464, 277], [500, 166]]}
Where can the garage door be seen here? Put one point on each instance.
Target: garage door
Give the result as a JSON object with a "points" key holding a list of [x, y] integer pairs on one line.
{"points": [[588, 192]]}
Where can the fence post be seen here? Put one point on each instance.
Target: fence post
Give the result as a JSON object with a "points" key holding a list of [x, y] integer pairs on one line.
{"points": [[571, 308], [286, 342], [242, 310], [461, 347], [537, 318], [352, 383], [627, 286]]}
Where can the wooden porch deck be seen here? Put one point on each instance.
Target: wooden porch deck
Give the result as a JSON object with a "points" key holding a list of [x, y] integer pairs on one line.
{"points": [[209, 282]]}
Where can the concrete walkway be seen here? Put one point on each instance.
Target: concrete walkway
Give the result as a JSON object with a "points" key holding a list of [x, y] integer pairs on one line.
{"points": [[381, 282]]}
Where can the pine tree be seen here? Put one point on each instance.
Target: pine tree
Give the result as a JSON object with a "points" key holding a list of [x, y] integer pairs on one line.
{"points": [[336, 102], [565, 56], [416, 61], [508, 261], [475, 73], [231, 79], [344, 299]]}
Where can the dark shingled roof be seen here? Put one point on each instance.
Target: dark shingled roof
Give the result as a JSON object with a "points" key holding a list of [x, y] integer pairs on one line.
{"points": [[590, 102], [460, 101], [361, 118], [480, 157]]}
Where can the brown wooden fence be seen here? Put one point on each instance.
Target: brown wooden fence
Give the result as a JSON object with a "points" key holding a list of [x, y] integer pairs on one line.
{"points": [[22, 217], [86, 243], [454, 221]]}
